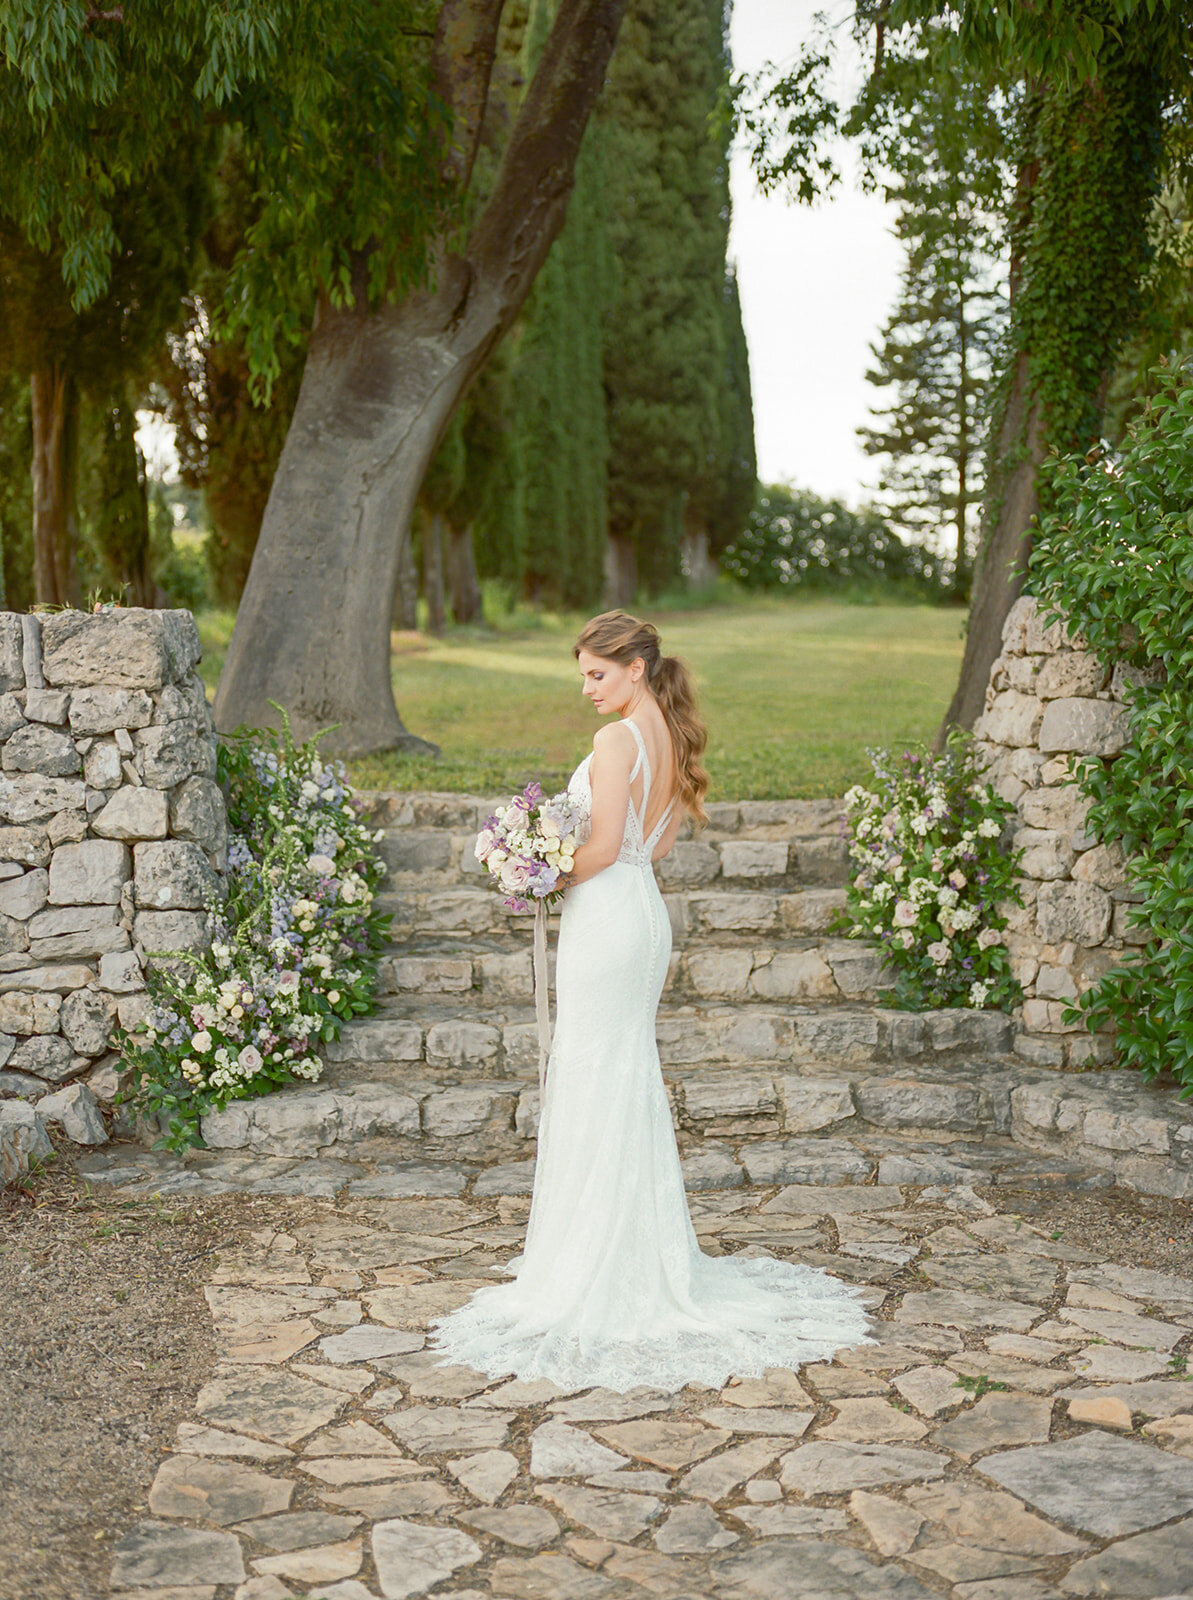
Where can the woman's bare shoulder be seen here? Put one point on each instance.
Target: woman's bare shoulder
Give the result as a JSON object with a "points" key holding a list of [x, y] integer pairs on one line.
{"points": [[615, 739]]}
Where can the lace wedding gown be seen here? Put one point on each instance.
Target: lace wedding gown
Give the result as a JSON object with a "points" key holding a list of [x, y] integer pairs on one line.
{"points": [[612, 1287]]}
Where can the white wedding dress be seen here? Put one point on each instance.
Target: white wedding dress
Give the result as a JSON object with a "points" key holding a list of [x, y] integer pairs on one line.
{"points": [[612, 1288]]}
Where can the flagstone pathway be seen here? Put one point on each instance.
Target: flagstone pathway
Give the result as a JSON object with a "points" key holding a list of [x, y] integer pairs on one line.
{"points": [[1021, 1428]]}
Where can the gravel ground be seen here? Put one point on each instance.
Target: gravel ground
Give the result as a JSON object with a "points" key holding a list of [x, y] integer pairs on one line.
{"points": [[105, 1339]]}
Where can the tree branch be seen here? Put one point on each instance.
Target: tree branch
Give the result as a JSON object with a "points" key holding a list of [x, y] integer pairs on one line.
{"points": [[463, 54], [528, 202], [115, 15]]}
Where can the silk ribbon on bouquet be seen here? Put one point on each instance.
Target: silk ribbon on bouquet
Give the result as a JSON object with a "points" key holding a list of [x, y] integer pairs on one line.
{"points": [[542, 1003]]}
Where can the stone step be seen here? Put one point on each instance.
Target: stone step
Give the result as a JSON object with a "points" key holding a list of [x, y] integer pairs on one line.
{"points": [[433, 1032], [731, 968], [698, 913], [440, 859], [911, 1126], [758, 820]]}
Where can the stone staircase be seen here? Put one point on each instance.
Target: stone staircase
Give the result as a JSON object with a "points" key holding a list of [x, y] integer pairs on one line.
{"points": [[780, 1065]]}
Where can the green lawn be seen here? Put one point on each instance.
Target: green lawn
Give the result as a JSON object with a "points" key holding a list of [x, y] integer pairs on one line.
{"points": [[793, 690]]}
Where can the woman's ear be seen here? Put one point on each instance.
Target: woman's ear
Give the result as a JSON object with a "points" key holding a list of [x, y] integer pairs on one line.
{"points": [[637, 668]]}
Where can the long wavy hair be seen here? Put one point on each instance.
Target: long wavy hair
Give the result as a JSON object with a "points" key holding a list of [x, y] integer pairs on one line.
{"points": [[616, 636]]}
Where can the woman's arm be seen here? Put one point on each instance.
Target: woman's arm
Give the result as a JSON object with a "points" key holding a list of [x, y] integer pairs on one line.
{"points": [[614, 753]]}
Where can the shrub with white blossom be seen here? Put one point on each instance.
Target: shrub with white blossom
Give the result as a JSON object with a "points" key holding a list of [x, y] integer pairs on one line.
{"points": [[930, 874], [294, 943]]}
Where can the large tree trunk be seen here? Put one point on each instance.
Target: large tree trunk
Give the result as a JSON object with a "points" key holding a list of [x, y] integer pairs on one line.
{"points": [[378, 390], [406, 592], [55, 407], [463, 586], [433, 574], [621, 572], [697, 565], [998, 581]]}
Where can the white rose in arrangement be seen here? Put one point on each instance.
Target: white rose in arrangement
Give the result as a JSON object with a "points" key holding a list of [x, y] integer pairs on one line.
{"points": [[907, 938], [989, 828], [946, 897], [249, 1060], [939, 952], [201, 1042], [321, 866], [905, 914], [989, 937], [964, 918]]}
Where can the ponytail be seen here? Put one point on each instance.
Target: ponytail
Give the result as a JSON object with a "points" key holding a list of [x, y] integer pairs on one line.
{"points": [[616, 636]]}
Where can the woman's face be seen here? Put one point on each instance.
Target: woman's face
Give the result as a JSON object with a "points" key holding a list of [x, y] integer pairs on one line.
{"points": [[607, 684]]}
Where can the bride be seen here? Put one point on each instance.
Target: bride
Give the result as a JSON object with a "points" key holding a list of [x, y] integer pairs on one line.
{"points": [[612, 1288]]}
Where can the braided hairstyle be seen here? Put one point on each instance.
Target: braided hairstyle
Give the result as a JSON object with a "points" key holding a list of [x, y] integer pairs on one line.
{"points": [[616, 636]]}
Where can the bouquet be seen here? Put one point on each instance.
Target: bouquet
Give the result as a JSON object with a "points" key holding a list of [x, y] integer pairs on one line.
{"points": [[530, 844]]}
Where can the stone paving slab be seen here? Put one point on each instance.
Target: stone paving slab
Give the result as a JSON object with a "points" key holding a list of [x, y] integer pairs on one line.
{"points": [[946, 1459]]}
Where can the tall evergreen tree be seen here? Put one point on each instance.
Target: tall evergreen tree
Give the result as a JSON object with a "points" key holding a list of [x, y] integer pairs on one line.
{"points": [[666, 346]]}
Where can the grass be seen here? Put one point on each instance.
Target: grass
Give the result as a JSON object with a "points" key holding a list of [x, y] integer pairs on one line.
{"points": [[794, 691]]}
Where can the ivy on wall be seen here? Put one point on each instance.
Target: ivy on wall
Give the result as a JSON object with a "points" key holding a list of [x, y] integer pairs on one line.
{"points": [[1114, 557]]}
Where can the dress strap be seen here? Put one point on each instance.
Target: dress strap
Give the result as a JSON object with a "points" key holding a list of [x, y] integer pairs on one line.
{"points": [[641, 765]]}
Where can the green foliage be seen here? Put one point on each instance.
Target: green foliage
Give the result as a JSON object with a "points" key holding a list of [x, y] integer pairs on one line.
{"points": [[343, 134], [795, 539], [933, 878], [1115, 558], [294, 948]]}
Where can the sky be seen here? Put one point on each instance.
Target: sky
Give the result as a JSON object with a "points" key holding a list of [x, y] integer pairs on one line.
{"points": [[816, 283]]}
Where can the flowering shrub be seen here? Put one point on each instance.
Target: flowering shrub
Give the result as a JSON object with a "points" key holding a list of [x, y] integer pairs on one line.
{"points": [[528, 845], [925, 843], [294, 945]]}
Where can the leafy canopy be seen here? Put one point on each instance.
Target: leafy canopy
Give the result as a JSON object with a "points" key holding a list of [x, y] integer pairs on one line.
{"points": [[343, 135]]}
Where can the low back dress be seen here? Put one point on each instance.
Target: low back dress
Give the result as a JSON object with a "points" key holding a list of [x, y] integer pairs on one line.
{"points": [[612, 1288]]}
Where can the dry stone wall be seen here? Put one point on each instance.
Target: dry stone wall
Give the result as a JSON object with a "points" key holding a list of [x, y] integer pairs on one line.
{"points": [[113, 836], [1049, 701]]}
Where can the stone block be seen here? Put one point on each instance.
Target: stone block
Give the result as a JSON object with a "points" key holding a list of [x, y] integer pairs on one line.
{"points": [[728, 1095], [794, 975], [753, 858], [811, 1103], [718, 974], [20, 1086], [1071, 674], [1014, 628], [1041, 639], [817, 1161], [120, 972], [91, 873], [76, 1111], [810, 910], [842, 1035], [22, 896], [87, 1018], [68, 827], [37, 748], [859, 970], [458, 1043], [909, 1103], [1105, 865], [381, 1039], [1055, 983], [170, 753], [29, 1013], [1046, 854], [133, 813], [46, 1056], [30, 797], [689, 862], [103, 710], [444, 974], [733, 913], [12, 670], [1012, 718], [467, 1109], [46, 980], [126, 649], [158, 932], [76, 933], [1077, 911], [1125, 928], [101, 765], [1085, 727], [1063, 809], [198, 812], [23, 1137], [11, 715], [711, 1167], [173, 875], [46, 705]]}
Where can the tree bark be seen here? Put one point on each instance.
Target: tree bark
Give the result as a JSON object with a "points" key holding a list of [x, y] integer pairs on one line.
{"points": [[433, 574], [378, 391], [697, 565], [405, 614], [621, 572], [996, 585], [55, 409], [463, 586]]}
